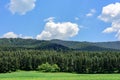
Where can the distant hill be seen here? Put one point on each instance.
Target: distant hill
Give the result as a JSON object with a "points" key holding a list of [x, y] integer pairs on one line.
{"points": [[58, 45], [89, 46], [113, 45]]}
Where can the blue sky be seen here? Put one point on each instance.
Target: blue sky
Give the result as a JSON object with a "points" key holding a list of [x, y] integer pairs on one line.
{"points": [[78, 20]]}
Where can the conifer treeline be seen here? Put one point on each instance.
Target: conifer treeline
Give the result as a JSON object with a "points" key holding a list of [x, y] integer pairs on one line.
{"points": [[68, 61]]}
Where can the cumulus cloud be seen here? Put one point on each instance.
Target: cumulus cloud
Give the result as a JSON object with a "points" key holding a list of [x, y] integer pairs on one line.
{"points": [[21, 6], [91, 13], [13, 35], [111, 14], [59, 30], [10, 35]]}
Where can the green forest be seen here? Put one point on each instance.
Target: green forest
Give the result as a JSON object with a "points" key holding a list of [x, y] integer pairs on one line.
{"points": [[28, 55]]}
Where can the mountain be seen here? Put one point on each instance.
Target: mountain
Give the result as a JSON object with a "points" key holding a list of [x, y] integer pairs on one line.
{"points": [[18, 43], [79, 45], [89, 46], [113, 45]]}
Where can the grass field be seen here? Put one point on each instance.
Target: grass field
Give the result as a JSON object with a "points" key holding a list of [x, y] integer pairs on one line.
{"points": [[32, 75]]}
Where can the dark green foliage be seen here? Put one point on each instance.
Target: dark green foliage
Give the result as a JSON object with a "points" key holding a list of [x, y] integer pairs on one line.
{"points": [[81, 45], [58, 45], [112, 45], [53, 46], [69, 61], [20, 54]]}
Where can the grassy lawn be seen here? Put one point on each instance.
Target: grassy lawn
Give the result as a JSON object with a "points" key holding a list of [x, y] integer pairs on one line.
{"points": [[32, 75]]}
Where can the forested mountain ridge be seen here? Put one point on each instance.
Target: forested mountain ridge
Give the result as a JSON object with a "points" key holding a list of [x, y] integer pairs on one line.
{"points": [[58, 44], [113, 45], [82, 45], [77, 44]]}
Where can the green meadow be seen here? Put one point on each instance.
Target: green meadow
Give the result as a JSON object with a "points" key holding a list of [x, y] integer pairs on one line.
{"points": [[33, 75]]}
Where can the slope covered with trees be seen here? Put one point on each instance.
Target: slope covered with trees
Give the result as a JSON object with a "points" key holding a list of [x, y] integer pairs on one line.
{"points": [[69, 56], [58, 44]]}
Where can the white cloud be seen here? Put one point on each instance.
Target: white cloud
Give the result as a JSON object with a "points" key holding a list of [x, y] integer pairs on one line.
{"points": [[44, 35], [115, 26], [91, 13], [13, 35], [27, 37], [111, 14], [10, 35], [108, 30], [21, 6], [58, 30]]}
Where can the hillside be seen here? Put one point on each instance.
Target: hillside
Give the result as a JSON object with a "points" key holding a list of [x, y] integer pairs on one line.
{"points": [[113, 45], [88, 45], [69, 56], [57, 45]]}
